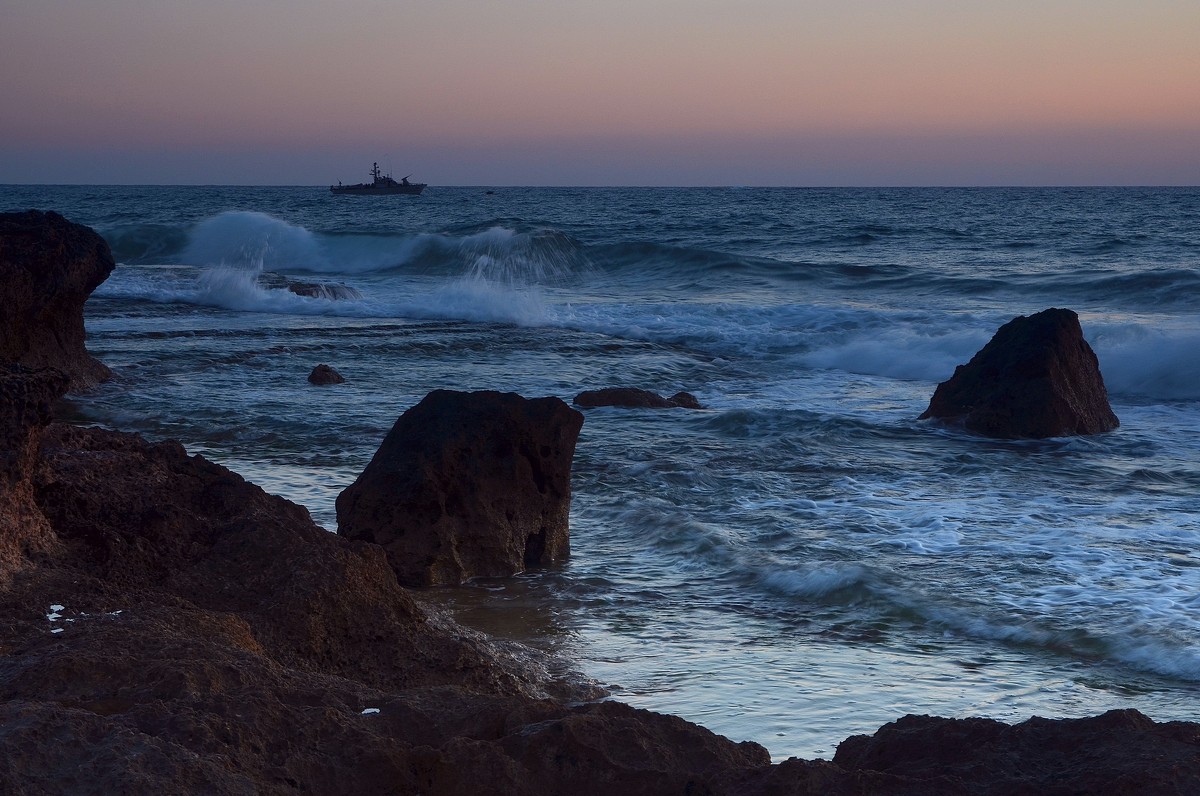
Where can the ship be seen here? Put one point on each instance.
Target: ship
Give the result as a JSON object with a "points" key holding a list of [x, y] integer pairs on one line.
{"points": [[380, 185]]}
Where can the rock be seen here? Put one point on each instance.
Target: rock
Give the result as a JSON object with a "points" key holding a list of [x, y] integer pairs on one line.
{"points": [[1036, 378], [466, 485], [167, 627], [324, 374], [48, 268], [1120, 752], [634, 398], [324, 290], [26, 397]]}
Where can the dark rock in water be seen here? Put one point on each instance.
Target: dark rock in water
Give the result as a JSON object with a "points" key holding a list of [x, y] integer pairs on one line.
{"points": [[167, 627], [324, 290], [324, 374], [48, 268], [634, 398], [685, 400], [468, 484], [1036, 378]]}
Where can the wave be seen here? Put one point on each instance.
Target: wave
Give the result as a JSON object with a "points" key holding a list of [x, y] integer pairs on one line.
{"points": [[470, 298], [1147, 361]]}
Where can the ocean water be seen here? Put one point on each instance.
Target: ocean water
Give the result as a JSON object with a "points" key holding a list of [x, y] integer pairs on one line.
{"points": [[800, 561]]}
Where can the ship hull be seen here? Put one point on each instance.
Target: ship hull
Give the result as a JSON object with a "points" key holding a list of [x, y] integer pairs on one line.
{"points": [[371, 190]]}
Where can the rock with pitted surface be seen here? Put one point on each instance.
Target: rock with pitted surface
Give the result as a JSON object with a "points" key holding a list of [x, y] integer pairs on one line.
{"points": [[1036, 378], [325, 374], [48, 268], [466, 485], [635, 398]]}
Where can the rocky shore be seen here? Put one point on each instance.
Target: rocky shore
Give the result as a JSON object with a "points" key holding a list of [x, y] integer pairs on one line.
{"points": [[167, 627]]}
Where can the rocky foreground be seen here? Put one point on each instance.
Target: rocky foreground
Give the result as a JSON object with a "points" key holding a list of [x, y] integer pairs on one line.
{"points": [[167, 627]]}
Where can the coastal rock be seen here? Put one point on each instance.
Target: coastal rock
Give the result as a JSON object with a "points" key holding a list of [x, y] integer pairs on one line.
{"points": [[324, 290], [466, 485], [324, 374], [26, 397], [1036, 378], [635, 398], [48, 268], [1119, 752], [139, 517], [172, 628]]}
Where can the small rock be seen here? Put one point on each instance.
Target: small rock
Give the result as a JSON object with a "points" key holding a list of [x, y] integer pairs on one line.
{"points": [[324, 290], [635, 398], [324, 374]]}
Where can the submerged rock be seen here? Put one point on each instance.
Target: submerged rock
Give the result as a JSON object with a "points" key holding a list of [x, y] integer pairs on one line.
{"points": [[324, 290], [324, 374], [48, 268], [635, 398], [468, 484], [1036, 378]]}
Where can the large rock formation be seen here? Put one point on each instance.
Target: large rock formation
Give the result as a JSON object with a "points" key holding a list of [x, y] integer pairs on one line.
{"points": [[635, 398], [167, 627], [1036, 378], [48, 268], [466, 485]]}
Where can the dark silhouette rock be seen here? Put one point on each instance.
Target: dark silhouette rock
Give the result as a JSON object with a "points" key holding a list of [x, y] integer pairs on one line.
{"points": [[324, 290], [466, 485], [324, 374], [26, 398], [48, 268], [1036, 378], [635, 398], [1120, 752]]}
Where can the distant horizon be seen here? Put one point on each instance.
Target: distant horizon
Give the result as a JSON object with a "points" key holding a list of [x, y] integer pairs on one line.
{"points": [[325, 186], [657, 93]]}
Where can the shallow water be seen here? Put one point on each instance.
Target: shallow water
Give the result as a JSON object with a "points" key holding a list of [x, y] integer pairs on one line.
{"points": [[801, 560]]}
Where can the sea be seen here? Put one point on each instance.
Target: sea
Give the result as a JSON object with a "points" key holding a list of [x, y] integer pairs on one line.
{"points": [[802, 559]]}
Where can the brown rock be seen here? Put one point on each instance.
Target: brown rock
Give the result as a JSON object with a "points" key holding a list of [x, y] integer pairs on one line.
{"points": [[26, 397], [1120, 752], [48, 268], [635, 398], [324, 374], [138, 517], [1036, 378], [467, 484]]}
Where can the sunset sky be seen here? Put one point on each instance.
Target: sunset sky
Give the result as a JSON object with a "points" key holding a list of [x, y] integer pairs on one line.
{"points": [[601, 92]]}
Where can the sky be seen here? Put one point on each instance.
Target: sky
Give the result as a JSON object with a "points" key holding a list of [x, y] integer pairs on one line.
{"points": [[601, 92]]}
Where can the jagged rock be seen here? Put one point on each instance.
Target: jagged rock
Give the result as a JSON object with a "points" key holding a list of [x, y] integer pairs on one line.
{"points": [[466, 485], [324, 374], [324, 290], [48, 268], [635, 398], [1036, 378]]}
